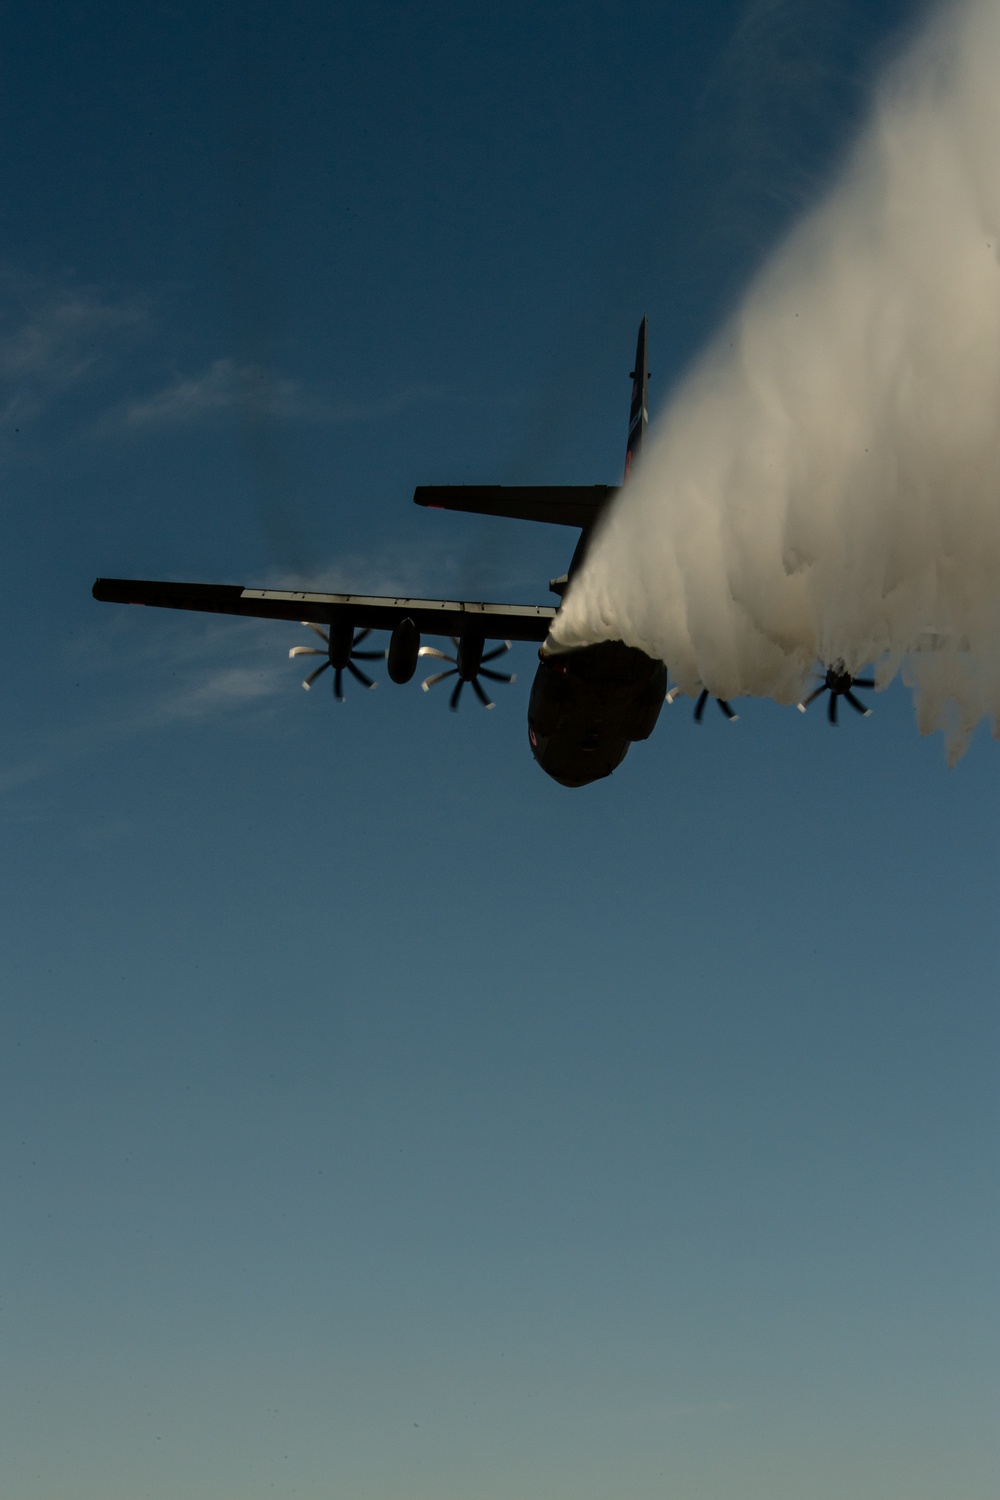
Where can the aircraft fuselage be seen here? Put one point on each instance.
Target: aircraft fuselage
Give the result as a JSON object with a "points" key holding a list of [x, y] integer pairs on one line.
{"points": [[588, 706]]}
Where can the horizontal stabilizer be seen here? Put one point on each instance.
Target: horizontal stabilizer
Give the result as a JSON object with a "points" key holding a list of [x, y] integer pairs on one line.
{"points": [[512, 622], [556, 504]]}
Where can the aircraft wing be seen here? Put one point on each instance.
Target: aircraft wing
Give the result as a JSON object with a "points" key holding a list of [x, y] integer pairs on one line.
{"points": [[558, 504], [512, 622]]}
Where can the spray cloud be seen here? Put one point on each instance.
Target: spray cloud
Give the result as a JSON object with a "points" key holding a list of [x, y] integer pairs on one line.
{"points": [[825, 485]]}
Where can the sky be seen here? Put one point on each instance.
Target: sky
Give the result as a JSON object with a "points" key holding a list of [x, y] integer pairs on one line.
{"points": [[381, 1120]]}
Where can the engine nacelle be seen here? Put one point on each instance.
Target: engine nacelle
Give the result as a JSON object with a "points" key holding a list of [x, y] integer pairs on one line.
{"points": [[341, 642], [470, 655], [404, 649]]}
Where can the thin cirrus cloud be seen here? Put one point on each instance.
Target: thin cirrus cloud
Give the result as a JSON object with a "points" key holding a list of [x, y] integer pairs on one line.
{"points": [[57, 338], [180, 667], [227, 386], [52, 339], [177, 675]]}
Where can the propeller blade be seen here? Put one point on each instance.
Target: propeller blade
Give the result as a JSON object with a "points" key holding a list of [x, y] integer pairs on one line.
{"points": [[499, 651], [699, 707], [313, 675], [429, 682], [727, 710], [305, 651], [361, 635], [321, 633], [497, 676], [813, 695], [338, 684], [858, 706], [368, 655], [360, 676], [868, 682], [831, 712], [456, 694], [476, 688], [433, 651]]}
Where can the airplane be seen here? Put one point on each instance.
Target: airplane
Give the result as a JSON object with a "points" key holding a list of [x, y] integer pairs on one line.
{"points": [[587, 706]]}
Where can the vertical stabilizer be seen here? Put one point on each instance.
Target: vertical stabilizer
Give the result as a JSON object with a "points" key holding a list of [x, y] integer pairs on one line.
{"points": [[637, 419], [639, 410]]}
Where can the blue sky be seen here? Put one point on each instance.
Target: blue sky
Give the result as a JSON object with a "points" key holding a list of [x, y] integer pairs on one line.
{"points": [[381, 1120]]}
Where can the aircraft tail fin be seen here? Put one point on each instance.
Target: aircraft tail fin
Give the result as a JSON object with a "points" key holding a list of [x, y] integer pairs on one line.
{"points": [[639, 411]]}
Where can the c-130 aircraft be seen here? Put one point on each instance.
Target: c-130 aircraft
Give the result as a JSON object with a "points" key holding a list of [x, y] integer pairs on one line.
{"points": [[587, 705]]}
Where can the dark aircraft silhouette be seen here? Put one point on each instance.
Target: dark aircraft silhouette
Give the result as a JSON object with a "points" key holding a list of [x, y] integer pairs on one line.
{"points": [[587, 706]]}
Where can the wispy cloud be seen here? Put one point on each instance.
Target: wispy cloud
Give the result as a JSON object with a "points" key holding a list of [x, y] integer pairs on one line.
{"points": [[170, 679], [393, 570], [218, 693], [56, 337], [227, 386], [188, 670], [51, 339]]}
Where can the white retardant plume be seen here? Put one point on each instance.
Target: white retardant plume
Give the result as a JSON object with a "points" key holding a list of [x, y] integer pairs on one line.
{"points": [[825, 485]]}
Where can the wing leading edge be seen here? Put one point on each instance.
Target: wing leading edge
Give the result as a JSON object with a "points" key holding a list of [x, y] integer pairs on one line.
{"points": [[513, 622]]}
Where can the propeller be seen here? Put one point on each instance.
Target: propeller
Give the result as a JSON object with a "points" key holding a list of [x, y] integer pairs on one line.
{"points": [[468, 666], [341, 653], [838, 682], [699, 707]]}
